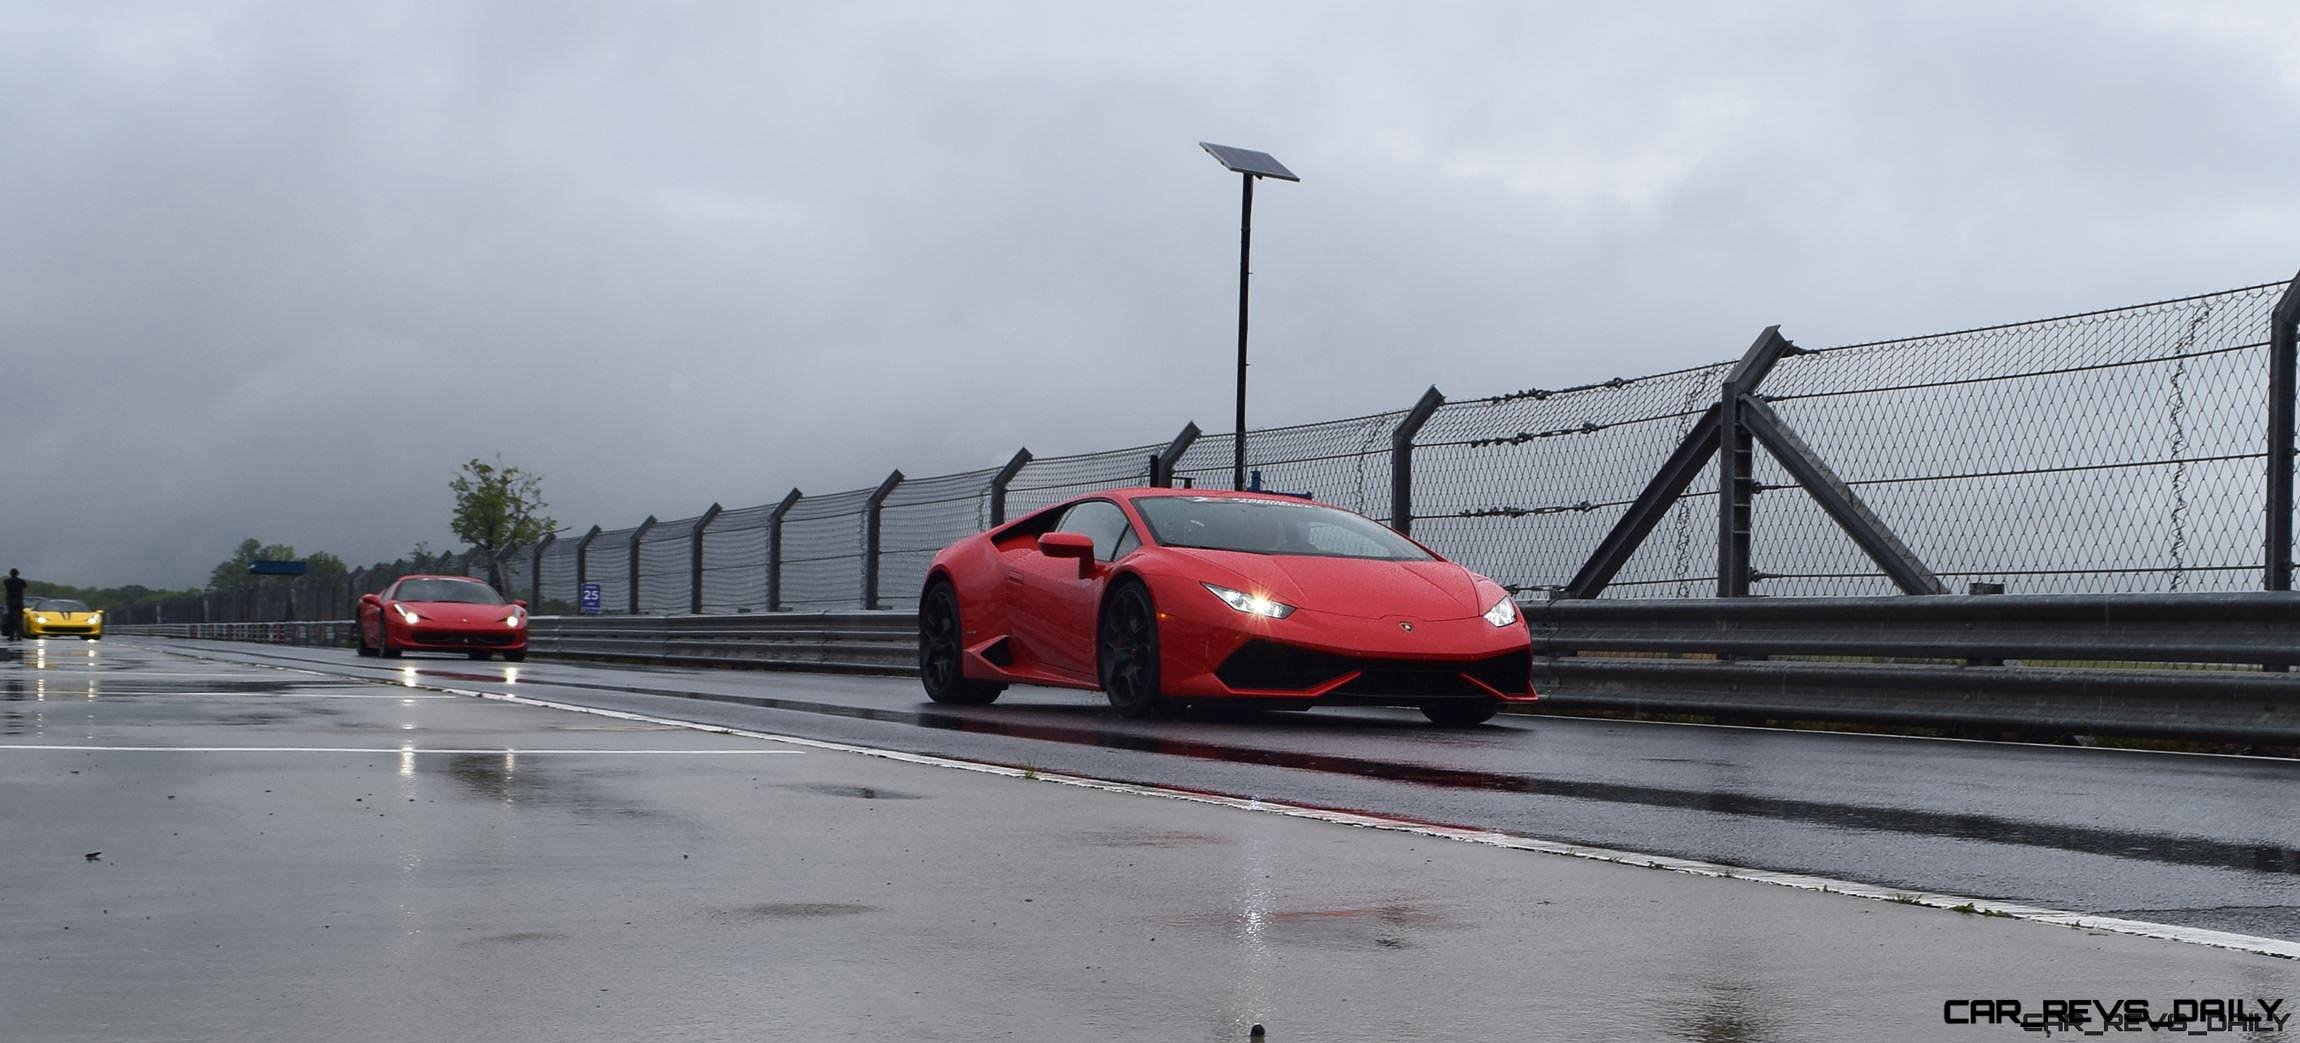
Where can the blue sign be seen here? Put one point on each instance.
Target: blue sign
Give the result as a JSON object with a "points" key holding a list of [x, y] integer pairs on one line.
{"points": [[588, 599]]}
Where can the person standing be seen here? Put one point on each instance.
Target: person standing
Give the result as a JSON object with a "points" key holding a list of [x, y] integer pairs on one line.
{"points": [[15, 620]]}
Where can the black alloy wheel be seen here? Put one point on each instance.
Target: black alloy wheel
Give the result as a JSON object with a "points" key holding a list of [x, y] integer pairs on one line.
{"points": [[942, 650], [1126, 653]]}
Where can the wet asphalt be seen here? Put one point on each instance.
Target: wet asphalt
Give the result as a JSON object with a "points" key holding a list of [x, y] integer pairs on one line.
{"points": [[203, 845], [2199, 841]]}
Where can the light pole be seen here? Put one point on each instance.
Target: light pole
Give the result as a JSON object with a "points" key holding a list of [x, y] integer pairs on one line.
{"points": [[1250, 165]]}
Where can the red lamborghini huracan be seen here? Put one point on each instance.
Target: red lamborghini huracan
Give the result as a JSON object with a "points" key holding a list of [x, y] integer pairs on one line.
{"points": [[1158, 595]]}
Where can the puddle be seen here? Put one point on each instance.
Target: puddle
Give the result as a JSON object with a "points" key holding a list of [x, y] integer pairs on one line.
{"points": [[1152, 838], [790, 910], [504, 779], [857, 792], [517, 938], [1391, 925]]}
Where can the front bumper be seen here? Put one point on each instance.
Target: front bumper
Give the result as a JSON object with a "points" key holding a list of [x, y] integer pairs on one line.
{"points": [[63, 629], [1314, 657], [447, 637]]}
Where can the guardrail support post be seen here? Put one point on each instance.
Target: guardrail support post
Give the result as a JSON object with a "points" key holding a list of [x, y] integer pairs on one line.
{"points": [[872, 512], [1402, 459], [2283, 357], [583, 560], [695, 560], [999, 483], [1734, 456], [535, 570], [775, 549], [637, 535], [1162, 465]]}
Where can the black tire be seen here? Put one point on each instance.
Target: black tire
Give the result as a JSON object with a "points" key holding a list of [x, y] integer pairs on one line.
{"points": [[519, 656], [1126, 653], [383, 640], [479, 653], [1462, 714], [365, 650], [942, 652]]}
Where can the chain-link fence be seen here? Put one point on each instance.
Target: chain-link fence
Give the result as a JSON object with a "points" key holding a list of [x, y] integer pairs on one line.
{"points": [[2124, 450]]}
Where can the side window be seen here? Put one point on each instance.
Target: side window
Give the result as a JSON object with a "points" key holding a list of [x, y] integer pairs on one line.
{"points": [[1101, 520]]}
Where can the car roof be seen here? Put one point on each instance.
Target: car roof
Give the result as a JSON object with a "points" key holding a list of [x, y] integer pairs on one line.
{"points": [[1152, 492], [440, 575]]}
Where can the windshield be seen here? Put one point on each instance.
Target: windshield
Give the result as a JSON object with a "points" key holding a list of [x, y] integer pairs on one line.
{"points": [[62, 605], [1272, 527], [457, 591]]}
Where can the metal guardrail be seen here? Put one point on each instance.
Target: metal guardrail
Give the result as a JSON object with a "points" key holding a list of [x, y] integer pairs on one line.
{"points": [[848, 642], [2052, 664], [2061, 664]]}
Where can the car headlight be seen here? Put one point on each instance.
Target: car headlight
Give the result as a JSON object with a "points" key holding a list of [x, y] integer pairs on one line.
{"points": [[516, 618], [407, 614], [39, 619], [1503, 612], [95, 617], [1251, 604]]}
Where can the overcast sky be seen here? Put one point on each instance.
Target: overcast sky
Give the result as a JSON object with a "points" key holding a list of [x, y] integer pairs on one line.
{"points": [[275, 269]]}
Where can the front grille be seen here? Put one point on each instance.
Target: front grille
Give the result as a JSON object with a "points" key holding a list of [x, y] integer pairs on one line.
{"points": [[64, 628], [1270, 666]]}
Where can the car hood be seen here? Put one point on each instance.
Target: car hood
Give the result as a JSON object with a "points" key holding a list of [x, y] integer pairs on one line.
{"points": [[458, 612], [1359, 587]]}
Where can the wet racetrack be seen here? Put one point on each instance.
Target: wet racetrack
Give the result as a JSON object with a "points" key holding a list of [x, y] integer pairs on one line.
{"points": [[2199, 841]]}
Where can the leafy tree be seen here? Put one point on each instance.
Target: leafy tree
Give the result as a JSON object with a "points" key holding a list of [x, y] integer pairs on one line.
{"points": [[498, 507]]}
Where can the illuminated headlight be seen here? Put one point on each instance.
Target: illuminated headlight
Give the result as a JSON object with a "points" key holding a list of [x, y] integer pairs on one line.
{"points": [[95, 617], [1251, 604], [1503, 612], [517, 618], [39, 619], [407, 614]]}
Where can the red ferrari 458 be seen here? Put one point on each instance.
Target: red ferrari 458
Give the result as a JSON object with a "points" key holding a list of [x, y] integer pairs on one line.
{"points": [[442, 614], [1157, 596]]}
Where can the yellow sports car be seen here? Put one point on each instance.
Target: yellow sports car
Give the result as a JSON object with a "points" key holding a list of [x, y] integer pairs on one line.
{"points": [[62, 617]]}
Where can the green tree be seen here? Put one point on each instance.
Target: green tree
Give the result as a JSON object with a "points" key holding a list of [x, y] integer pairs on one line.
{"points": [[498, 507]]}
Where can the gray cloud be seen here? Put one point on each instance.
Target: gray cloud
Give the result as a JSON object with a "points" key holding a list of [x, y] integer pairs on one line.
{"points": [[276, 269]]}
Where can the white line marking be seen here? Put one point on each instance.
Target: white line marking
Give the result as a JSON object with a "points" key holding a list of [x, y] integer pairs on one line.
{"points": [[520, 750]]}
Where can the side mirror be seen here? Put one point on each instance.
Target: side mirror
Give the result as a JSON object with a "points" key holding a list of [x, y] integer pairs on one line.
{"points": [[1066, 545], [519, 602], [1070, 545], [370, 599]]}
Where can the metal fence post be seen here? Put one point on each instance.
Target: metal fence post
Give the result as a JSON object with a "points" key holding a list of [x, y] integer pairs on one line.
{"points": [[1402, 459], [583, 561], [1005, 478], [1734, 456], [358, 579], [775, 549], [2282, 361], [695, 560], [1162, 465], [535, 570], [873, 509], [637, 535]]}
